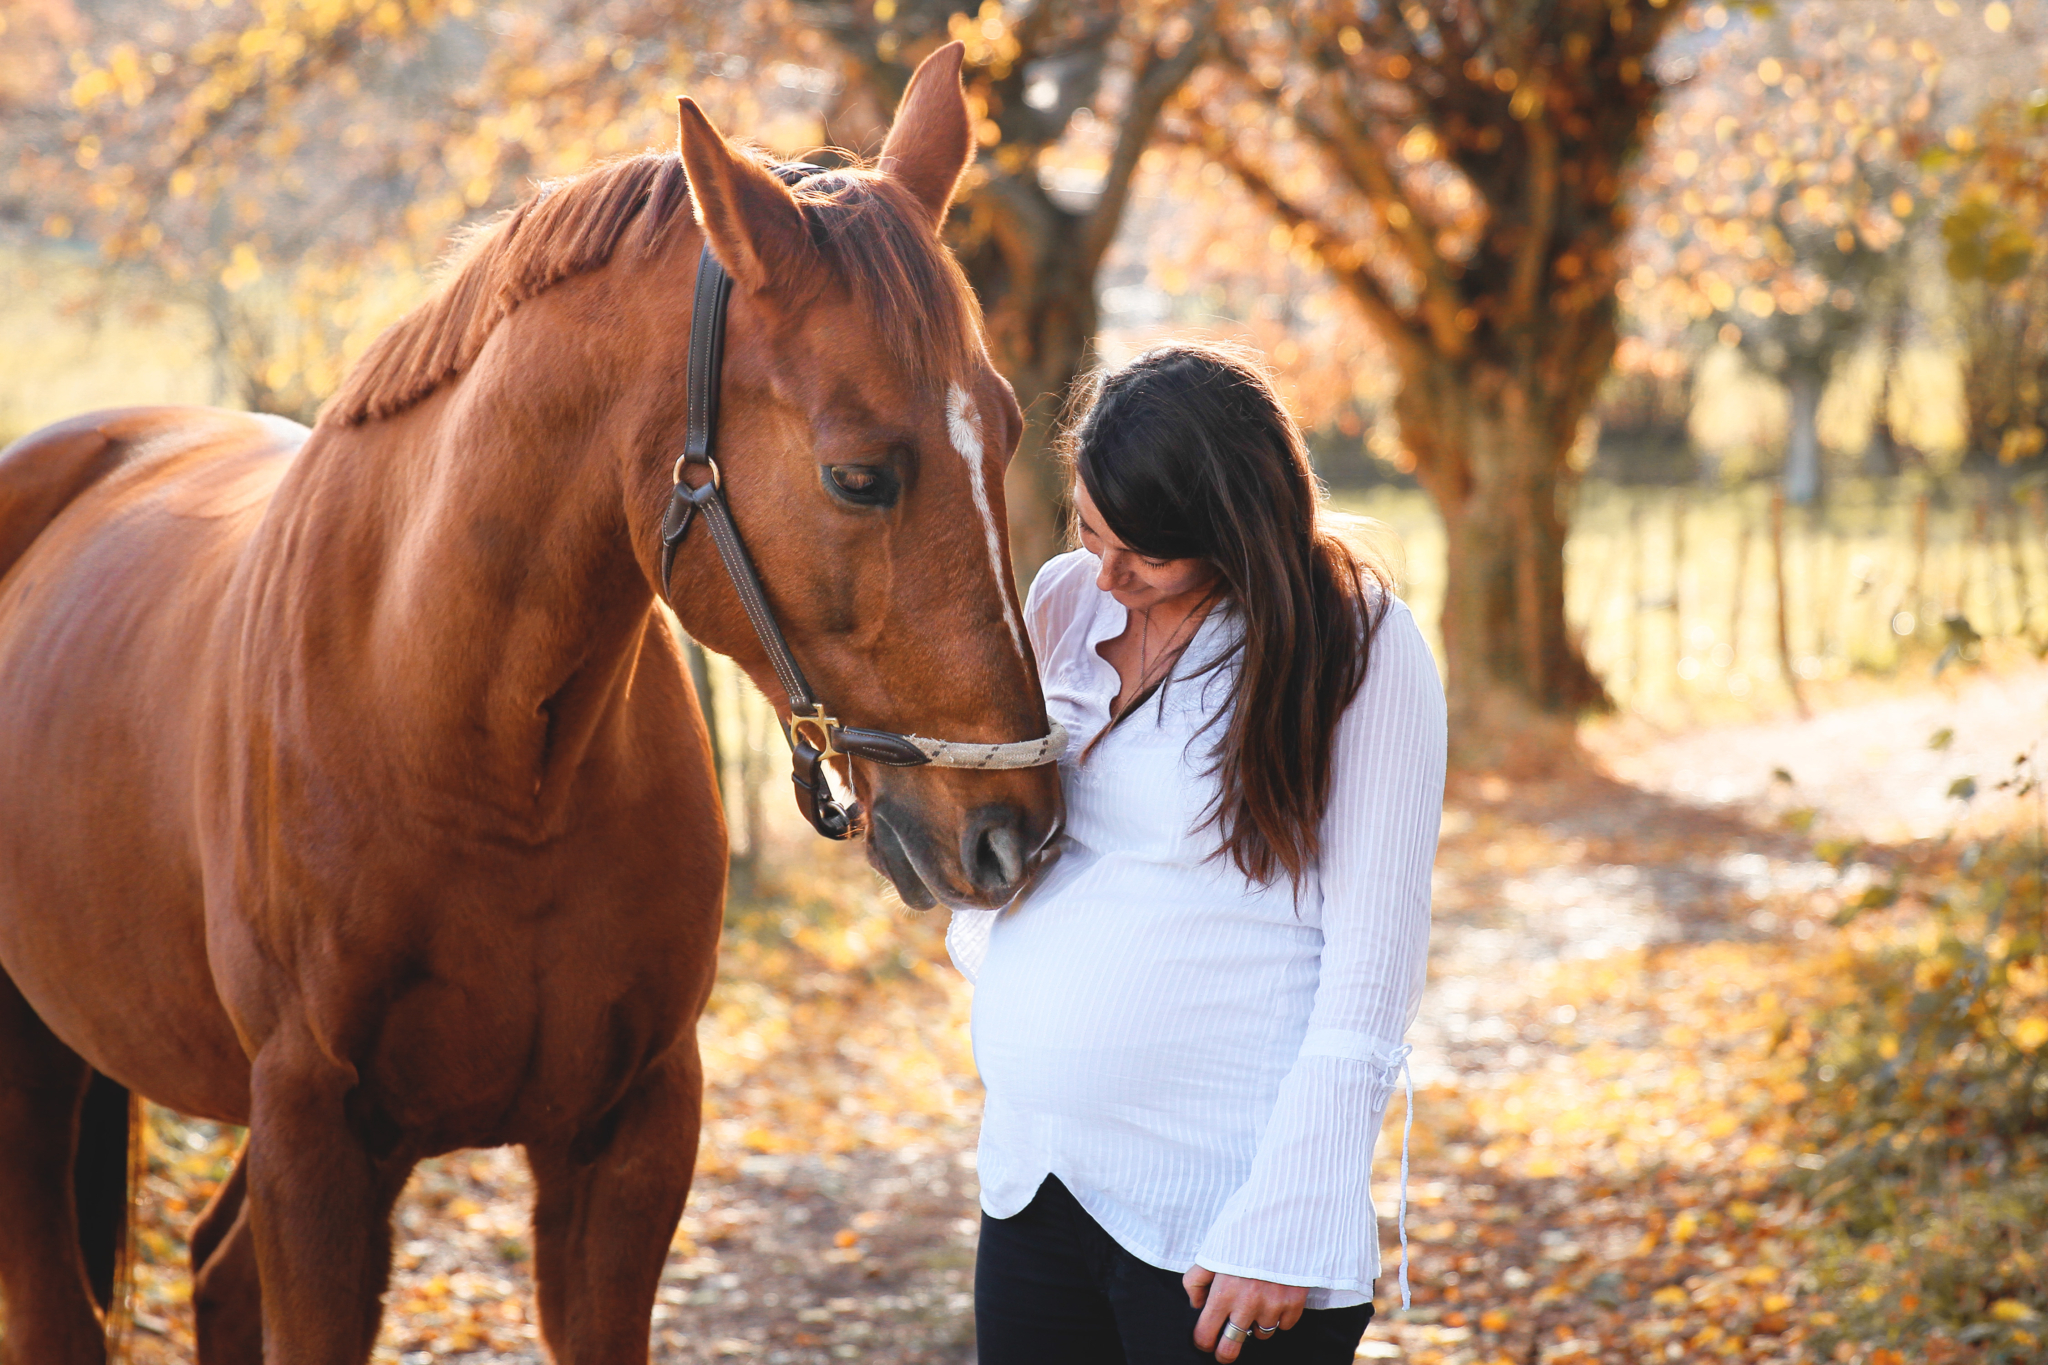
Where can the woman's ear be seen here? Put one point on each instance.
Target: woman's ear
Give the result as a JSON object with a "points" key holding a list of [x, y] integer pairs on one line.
{"points": [[750, 218], [932, 140]]}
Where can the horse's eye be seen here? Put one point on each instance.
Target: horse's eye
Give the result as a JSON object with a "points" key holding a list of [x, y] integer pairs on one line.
{"points": [[861, 484]]}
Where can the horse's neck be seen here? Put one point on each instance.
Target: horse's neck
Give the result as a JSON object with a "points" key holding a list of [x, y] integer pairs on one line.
{"points": [[466, 584]]}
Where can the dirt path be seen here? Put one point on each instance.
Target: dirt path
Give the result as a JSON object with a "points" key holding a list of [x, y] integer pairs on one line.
{"points": [[1867, 770], [1698, 836], [791, 1258]]}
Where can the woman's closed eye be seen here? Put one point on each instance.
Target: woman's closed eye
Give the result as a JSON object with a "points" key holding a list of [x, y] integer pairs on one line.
{"points": [[1091, 540], [863, 485]]}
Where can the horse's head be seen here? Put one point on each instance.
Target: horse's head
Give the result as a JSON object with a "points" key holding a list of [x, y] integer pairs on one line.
{"points": [[862, 437]]}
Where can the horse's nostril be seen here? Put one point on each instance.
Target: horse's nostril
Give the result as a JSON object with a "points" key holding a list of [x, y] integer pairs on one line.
{"points": [[994, 850]]}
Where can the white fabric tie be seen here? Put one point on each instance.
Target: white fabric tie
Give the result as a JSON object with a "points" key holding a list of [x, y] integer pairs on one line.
{"points": [[1407, 1126]]}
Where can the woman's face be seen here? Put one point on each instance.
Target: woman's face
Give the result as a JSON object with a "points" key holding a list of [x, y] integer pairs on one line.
{"points": [[1138, 582]]}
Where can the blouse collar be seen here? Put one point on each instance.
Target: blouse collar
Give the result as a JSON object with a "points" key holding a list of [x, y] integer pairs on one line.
{"points": [[1216, 634]]}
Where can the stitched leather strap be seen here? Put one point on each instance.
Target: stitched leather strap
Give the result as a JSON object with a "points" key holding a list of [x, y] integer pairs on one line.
{"points": [[827, 814], [746, 584], [701, 375], [707, 354]]}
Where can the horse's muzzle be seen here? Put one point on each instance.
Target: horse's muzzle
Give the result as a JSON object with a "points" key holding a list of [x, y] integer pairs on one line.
{"points": [[998, 849]]}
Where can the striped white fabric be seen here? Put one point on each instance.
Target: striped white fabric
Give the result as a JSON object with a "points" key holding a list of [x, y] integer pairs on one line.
{"points": [[1205, 1062]]}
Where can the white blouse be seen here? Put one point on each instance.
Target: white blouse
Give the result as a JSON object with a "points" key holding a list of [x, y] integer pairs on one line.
{"points": [[1204, 1061]]}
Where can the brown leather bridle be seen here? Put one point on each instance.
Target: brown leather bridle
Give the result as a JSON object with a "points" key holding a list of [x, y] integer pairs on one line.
{"points": [[813, 734]]}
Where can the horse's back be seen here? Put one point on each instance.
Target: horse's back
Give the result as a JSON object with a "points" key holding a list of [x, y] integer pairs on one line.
{"points": [[120, 533], [46, 471]]}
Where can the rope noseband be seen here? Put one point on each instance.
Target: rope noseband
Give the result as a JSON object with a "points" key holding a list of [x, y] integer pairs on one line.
{"points": [[813, 735]]}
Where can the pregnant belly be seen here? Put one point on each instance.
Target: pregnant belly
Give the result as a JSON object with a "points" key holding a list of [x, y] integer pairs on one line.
{"points": [[1139, 1014]]}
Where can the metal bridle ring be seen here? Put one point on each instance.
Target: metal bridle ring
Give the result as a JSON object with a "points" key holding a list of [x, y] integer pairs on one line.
{"points": [[675, 476]]}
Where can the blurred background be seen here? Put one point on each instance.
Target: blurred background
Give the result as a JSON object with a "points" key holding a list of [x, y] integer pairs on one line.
{"points": [[1696, 354]]}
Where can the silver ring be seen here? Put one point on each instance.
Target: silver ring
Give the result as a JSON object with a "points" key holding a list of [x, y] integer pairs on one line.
{"points": [[1264, 1330], [1232, 1332]]}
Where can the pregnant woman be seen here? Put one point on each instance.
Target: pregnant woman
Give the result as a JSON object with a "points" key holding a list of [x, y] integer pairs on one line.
{"points": [[1190, 1027]]}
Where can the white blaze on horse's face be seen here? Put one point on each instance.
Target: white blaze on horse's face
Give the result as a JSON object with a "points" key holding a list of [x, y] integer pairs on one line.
{"points": [[963, 424]]}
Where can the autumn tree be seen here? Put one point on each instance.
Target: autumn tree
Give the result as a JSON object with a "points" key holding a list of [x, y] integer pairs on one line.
{"points": [[296, 170], [227, 157], [1080, 83], [1996, 239], [1815, 308], [1792, 187], [1781, 195], [1458, 167]]}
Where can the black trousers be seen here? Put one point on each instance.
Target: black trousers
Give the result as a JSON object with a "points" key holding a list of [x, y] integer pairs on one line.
{"points": [[1051, 1286]]}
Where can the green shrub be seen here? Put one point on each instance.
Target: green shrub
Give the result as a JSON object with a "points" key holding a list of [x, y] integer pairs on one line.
{"points": [[1929, 1101]]}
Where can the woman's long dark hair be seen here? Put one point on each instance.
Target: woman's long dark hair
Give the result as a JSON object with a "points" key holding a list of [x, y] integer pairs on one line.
{"points": [[1187, 453]]}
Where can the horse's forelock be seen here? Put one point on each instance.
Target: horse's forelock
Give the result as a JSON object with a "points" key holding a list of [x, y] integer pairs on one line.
{"points": [[874, 235]]}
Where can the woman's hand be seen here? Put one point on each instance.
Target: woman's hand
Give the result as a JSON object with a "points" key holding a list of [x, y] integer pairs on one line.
{"points": [[1251, 1304]]}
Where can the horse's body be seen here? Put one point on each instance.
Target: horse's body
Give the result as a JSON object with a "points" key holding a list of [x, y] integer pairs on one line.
{"points": [[351, 787]]}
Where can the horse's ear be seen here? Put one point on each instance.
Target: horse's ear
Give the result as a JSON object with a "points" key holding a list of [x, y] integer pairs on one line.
{"points": [[932, 139], [750, 218]]}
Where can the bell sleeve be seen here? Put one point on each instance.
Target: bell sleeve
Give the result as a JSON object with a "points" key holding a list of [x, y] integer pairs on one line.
{"points": [[1305, 1215]]}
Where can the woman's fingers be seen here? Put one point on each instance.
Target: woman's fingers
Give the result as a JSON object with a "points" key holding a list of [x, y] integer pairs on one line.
{"points": [[1248, 1303], [1222, 1307], [1284, 1307], [1196, 1282]]}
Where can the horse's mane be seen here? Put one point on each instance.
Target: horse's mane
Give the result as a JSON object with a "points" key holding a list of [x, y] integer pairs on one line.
{"points": [[865, 225]]}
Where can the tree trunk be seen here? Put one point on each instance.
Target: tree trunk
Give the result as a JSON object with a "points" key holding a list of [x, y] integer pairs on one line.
{"points": [[707, 702], [1028, 262], [1881, 456], [1802, 443], [1492, 456]]}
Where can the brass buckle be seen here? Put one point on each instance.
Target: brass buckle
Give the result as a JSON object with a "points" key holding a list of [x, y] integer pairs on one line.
{"points": [[820, 724]]}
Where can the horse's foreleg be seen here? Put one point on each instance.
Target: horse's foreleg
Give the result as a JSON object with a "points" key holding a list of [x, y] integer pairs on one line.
{"points": [[46, 1302], [319, 1208], [606, 1211], [227, 1298]]}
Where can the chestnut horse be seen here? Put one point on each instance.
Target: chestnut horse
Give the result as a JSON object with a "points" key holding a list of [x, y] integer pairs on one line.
{"points": [[351, 784]]}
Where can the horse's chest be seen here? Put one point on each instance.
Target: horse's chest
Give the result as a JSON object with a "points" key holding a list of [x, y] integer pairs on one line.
{"points": [[532, 1016]]}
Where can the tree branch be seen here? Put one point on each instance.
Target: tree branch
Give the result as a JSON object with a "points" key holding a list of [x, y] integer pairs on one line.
{"points": [[321, 54], [1358, 153], [1154, 83], [1394, 323], [1532, 254]]}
